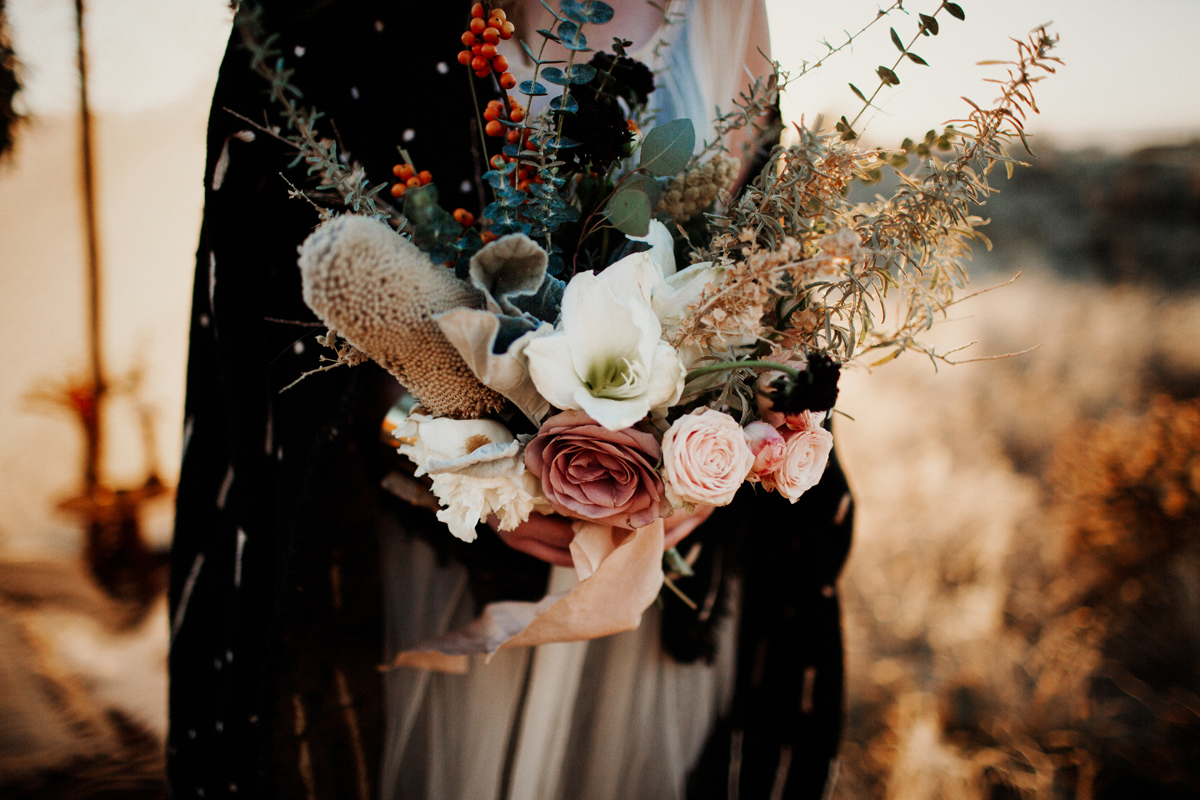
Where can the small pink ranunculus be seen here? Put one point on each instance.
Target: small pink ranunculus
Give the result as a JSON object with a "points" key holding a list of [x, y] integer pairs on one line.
{"points": [[767, 444], [588, 472], [805, 455], [705, 458]]}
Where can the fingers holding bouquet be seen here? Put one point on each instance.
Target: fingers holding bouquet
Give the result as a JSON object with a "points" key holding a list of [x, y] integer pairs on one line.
{"points": [[548, 537]]}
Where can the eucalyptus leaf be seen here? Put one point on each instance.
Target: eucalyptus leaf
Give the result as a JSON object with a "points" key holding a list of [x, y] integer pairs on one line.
{"points": [[629, 211], [566, 104], [510, 197], [529, 50], [542, 191], [555, 75], [571, 36], [433, 226], [651, 186], [548, 34], [667, 149], [955, 10], [532, 89], [582, 74], [929, 23], [593, 11]]}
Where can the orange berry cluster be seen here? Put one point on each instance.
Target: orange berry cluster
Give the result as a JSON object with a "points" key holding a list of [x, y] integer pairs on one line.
{"points": [[481, 39], [493, 126], [494, 113], [409, 179]]}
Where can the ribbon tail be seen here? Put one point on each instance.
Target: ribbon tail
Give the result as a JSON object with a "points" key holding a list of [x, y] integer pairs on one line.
{"points": [[620, 575]]}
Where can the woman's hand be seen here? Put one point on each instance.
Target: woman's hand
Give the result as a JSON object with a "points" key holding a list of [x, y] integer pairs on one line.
{"points": [[540, 536], [549, 537]]}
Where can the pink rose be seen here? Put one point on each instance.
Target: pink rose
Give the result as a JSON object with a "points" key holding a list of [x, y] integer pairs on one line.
{"points": [[767, 445], [591, 473], [705, 458], [805, 455]]}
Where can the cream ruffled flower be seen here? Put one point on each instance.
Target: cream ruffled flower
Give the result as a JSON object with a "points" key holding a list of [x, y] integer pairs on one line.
{"points": [[477, 469]]}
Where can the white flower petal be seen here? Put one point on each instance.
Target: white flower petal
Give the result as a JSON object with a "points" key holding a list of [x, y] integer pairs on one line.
{"points": [[615, 415], [597, 325], [487, 461], [662, 247], [552, 369], [666, 377], [672, 298], [454, 438], [636, 276]]}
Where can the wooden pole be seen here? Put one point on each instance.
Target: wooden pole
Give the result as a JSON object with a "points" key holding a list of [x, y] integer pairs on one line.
{"points": [[92, 426]]}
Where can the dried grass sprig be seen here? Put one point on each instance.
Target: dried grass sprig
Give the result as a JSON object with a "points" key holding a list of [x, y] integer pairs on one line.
{"points": [[320, 153], [837, 262]]}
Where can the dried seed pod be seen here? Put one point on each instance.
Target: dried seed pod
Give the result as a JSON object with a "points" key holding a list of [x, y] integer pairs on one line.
{"points": [[691, 192], [381, 293]]}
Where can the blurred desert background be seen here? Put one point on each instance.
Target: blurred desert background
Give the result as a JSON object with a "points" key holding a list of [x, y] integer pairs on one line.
{"points": [[1022, 602]]}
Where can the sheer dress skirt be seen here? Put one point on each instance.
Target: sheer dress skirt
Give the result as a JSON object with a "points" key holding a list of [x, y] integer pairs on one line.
{"points": [[607, 719]]}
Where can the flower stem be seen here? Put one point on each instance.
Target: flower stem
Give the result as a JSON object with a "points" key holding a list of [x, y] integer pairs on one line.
{"points": [[728, 365], [686, 600]]}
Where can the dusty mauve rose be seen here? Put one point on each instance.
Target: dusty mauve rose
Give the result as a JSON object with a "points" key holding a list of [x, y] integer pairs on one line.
{"points": [[705, 458], [805, 455], [767, 445], [591, 473]]}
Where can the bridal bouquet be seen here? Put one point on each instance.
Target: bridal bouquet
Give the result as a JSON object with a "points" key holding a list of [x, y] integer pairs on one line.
{"points": [[627, 330]]}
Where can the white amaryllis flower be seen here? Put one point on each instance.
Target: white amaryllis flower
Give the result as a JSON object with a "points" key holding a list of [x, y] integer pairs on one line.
{"points": [[477, 469], [607, 358]]}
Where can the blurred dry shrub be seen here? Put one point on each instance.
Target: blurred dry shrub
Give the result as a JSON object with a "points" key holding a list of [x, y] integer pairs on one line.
{"points": [[1023, 600]]}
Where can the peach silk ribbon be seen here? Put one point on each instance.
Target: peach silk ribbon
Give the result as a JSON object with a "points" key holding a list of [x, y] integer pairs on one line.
{"points": [[620, 575]]}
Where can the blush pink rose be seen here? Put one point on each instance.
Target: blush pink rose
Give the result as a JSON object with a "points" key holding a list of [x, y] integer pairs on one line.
{"points": [[591, 473], [805, 456], [767, 445], [705, 458]]}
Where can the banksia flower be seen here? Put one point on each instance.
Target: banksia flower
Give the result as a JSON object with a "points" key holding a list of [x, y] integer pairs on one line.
{"points": [[381, 293], [697, 189]]}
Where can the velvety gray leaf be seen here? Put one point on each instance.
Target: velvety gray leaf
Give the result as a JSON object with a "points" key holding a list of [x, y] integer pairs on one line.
{"points": [[546, 304]]}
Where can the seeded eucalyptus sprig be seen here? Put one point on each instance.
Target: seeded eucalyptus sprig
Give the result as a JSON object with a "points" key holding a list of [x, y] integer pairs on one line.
{"points": [[928, 26]]}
